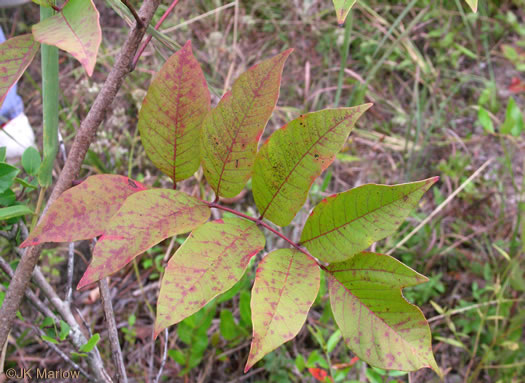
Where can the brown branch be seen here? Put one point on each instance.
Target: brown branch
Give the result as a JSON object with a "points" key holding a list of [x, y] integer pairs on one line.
{"points": [[164, 357], [77, 337], [140, 22], [112, 330], [46, 311], [83, 139]]}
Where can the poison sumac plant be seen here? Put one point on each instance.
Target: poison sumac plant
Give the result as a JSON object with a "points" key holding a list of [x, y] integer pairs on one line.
{"points": [[180, 132]]}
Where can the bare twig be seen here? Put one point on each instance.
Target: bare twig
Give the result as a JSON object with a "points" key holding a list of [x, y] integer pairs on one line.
{"points": [[66, 358], [40, 306], [62, 146], [70, 268], [83, 139], [164, 356], [112, 330], [140, 22], [200, 17], [77, 337], [248, 375]]}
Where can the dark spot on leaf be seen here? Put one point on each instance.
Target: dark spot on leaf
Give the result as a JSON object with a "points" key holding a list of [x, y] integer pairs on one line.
{"points": [[132, 184]]}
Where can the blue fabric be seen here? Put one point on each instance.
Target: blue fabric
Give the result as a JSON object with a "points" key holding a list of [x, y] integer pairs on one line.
{"points": [[13, 104]]}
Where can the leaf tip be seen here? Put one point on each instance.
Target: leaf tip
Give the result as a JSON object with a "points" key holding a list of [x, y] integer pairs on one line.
{"points": [[187, 45], [433, 365], [433, 180], [248, 366], [288, 51], [156, 331], [85, 280]]}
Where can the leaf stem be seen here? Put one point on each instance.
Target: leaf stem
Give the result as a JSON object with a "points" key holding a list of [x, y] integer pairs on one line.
{"points": [[148, 39], [41, 195], [260, 222], [140, 23]]}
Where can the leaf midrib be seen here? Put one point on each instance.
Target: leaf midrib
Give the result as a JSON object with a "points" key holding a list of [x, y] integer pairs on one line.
{"points": [[363, 215], [220, 257], [84, 51], [414, 351], [281, 292], [297, 164], [241, 124]]}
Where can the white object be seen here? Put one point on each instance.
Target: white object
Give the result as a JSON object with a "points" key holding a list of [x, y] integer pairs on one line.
{"points": [[17, 135]]}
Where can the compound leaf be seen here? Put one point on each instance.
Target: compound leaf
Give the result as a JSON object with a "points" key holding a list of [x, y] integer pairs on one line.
{"points": [[346, 223], [342, 8], [286, 285], [75, 29], [377, 323], [171, 115], [15, 56], [145, 219], [83, 211], [211, 260], [231, 131], [294, 156]]}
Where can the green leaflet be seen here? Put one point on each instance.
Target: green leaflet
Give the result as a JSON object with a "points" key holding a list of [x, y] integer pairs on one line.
{"points": [[346, 223], [83, 211], [75, 29], [15, 56], [31, 161], [8, 175], [171, 115], [285, 288], [211, 260], [145, 219], [377, 323], [231, 131], [342, 8], [14, 211], [294, 156]]}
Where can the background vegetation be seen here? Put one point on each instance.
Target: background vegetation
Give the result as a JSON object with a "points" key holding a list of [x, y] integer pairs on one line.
{"points": [[448, 90]]}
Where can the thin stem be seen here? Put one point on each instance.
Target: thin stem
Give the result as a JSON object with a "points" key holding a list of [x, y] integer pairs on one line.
{"points": [[38, 207], [70, 269], [260, 222], [50, 92], [141, 286], [344, 57], [148, 39], [112, 330], [164, 357], [139, 21]]}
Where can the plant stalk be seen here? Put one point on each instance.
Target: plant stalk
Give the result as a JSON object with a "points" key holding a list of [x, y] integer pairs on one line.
{"points": [[49, 56]]}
